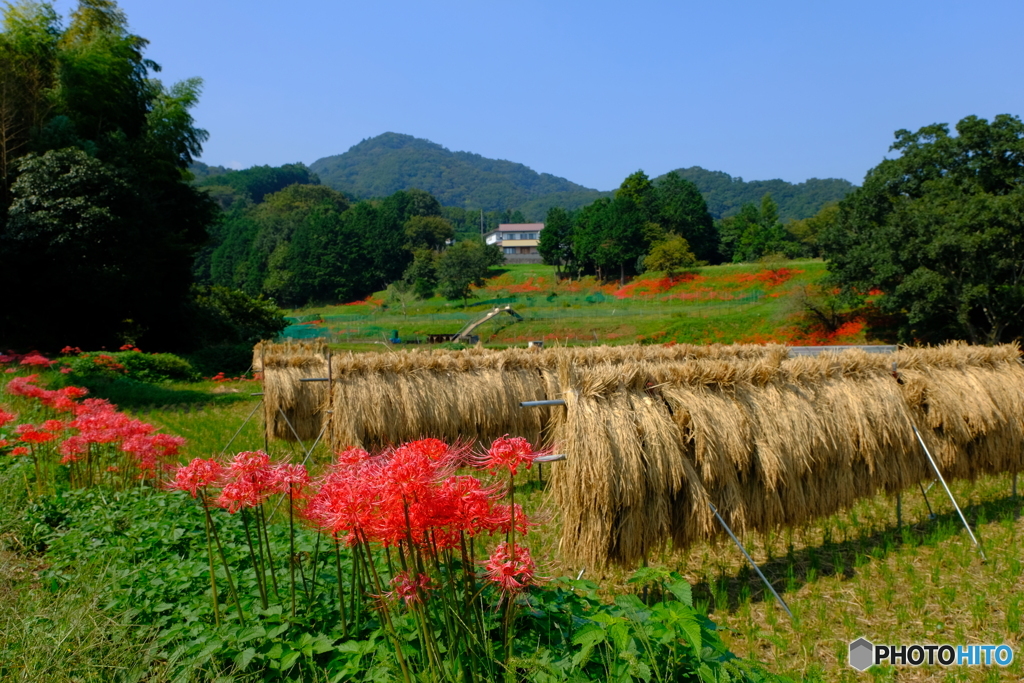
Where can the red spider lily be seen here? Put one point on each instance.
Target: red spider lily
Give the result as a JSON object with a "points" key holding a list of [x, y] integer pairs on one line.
{"points": [[6, 417], [108, 426], [37, 359], [197, 474], [54, 426], [352, 456], [72, 448], [508, 453], [23, 386], [512, 571], [500, 519], [29, 433], [470, 505], [153, 451], [71, 351], [410, 468], [409, 589], [20, 450], [287, 477], [247, 481], [408, 494], [62, 400]]}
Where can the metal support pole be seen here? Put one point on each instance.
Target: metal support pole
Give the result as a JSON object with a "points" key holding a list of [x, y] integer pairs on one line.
{"points": [[1016, 501], [266, 406], [534, 404], [749, 559], [245, 422], [308, 453], [949, 493], [294, 433], [924, 492]]}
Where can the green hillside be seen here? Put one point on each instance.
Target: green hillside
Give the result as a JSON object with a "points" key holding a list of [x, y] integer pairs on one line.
{"points": [[735, 303], [726, 194], [385, 164]]}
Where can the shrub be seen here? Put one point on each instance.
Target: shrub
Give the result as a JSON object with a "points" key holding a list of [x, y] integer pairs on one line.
{"points": [[141, 367]]}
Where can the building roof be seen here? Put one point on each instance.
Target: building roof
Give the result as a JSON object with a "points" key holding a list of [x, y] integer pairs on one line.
{"points": [[520, 227]]}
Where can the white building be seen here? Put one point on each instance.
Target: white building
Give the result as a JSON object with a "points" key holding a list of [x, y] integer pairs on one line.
{"points": [[518, 241]]}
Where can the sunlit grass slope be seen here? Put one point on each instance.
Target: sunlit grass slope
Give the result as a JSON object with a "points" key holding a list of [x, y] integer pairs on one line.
{"points": [[732, 303]]}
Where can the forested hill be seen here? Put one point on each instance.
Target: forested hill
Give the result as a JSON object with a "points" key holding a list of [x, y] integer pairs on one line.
{"points": [[383, 165], [725, 195]]}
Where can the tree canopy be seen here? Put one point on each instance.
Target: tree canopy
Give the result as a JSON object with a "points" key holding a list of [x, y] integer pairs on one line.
{"points": [[97, 218], [939, 230]]}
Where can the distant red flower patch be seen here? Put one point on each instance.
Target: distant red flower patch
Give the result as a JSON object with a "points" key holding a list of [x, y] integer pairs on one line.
{"points": [[641, 288], [770, 278], [37, 359]]}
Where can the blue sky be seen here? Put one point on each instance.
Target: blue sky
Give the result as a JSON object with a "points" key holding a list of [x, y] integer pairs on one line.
{"points": [[590, 91]]}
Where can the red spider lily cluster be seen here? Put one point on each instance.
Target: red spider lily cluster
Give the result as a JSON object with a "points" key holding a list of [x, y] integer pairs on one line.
{"points": [[31, 359], [410, 495], [91, 436], [246, 481], [221, 377]]}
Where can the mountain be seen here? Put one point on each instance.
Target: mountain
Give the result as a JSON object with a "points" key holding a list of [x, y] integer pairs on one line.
{"points": [[725, 195], [383, 165]]}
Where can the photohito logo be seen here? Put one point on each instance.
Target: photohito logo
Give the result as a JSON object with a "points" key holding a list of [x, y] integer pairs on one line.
{"points": [[864, 653]]}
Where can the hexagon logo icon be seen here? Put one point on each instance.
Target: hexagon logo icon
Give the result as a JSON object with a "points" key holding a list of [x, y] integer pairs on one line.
{"points": [[862, 654]]}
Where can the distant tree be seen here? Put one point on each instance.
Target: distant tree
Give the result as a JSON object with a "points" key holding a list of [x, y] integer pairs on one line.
{"points": [[324, 258], [421, 276], [416, 202], [259, 181], [95, 210], [754, 233], [808, 231], [683, 211], [400, 293], [592, 224], [670, 255], [639, 190], [228, 316], [938, 230], [427, 232], [732, 229], [460, 266], [555, 243]]}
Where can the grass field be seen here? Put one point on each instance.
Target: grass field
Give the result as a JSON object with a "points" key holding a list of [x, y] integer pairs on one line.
{"points": [[732, 303]]}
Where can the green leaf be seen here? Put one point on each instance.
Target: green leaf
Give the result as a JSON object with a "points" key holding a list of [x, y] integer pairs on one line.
{"points": [[589, 635], [683, 592], [289, 659], [243, 658]]}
